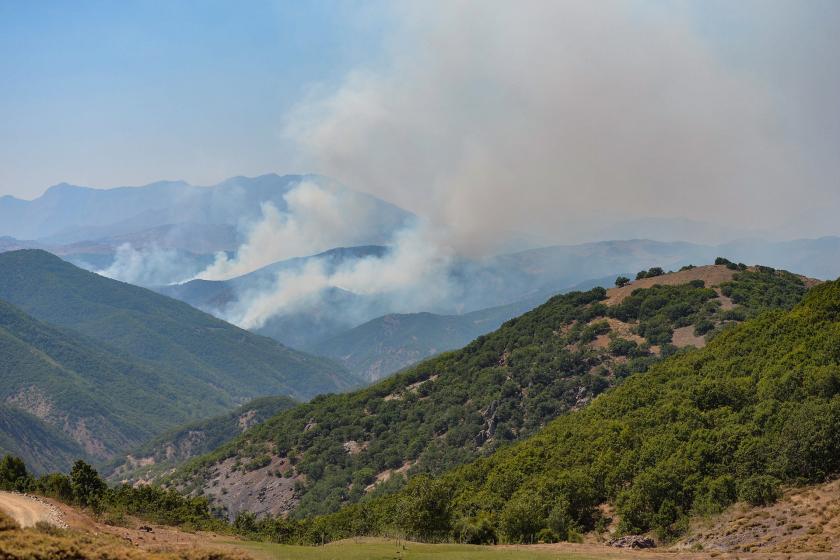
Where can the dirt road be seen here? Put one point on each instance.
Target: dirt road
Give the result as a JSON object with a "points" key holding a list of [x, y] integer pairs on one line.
{"points": [[28, 511]]}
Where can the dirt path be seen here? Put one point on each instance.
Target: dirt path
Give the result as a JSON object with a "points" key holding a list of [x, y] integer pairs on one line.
{"points": [[28, 511]]}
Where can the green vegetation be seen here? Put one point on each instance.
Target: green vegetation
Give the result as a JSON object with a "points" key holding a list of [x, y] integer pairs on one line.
{"points": [[450, 410], [97, 394], [758, 407], [729, 264], [83, 487], [764, 288], [650, 273], [660, 309], [39, 444], [384, 549], [197, 438], [390, 343], [192, 347], [104, 366]]}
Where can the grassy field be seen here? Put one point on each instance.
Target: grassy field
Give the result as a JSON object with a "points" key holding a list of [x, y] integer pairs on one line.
{"points": [[380, 549]]}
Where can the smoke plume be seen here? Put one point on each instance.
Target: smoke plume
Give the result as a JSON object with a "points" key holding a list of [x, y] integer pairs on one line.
{"points": [[554, 118]]}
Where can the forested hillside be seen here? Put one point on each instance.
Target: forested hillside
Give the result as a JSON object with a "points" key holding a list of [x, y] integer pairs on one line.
{"points": [[196, 438], [43, 447], [757, 408], [92, 394], [501, 388], [191, 346]]}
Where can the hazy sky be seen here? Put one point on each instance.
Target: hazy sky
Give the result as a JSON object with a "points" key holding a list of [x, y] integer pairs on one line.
{"points": [[491, 115], [107, 93]]}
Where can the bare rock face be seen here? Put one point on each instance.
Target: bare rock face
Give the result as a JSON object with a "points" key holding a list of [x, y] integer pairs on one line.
{"points": [[633, 541]]}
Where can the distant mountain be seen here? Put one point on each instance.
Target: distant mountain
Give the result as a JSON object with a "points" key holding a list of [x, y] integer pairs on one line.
{"points": [[169, 335], [184, 442], [362, 331], [673, 229], [336, 311], [70, 214], [376, 349], [386, 344]]}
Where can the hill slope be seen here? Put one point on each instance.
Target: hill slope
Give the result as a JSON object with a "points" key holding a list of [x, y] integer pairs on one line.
{"points": [[164, 333], [375, 349], [78, 389], [180, 444], [462, 405], [758, 407], [41, 446]]}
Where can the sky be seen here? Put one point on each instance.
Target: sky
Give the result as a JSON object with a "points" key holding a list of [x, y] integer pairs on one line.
{"points": [[105, 93], [484, 117]]}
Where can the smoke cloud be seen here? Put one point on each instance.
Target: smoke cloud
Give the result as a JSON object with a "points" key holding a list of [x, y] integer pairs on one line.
{"points": [[412, 275], [316, 218], [556, 117], [150, 266]]}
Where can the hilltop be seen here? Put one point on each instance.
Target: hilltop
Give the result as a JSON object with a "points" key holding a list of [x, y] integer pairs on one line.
{"points": [[462, 405]]}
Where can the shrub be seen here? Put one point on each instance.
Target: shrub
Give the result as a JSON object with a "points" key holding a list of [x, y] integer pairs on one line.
{"points": [[759, 490], [7, 523]]}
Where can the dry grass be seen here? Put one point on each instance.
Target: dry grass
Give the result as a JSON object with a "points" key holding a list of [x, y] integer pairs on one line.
{"points": [[45, 542], [803, 521]]}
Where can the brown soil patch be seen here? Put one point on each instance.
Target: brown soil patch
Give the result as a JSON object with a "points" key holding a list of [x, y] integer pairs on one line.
{"points": [[684, 336], [159, 539], [712, 275], [803, 521], [260, 491]]}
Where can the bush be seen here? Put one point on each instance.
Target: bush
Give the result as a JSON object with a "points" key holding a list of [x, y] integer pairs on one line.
{"points": [[759, 490], [7, 523], [475, 530], [622, 281]]}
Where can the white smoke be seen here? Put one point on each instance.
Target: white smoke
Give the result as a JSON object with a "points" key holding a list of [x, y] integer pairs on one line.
{"points": [[149, 266], [556, 117], [316, 218], [412, 275]]}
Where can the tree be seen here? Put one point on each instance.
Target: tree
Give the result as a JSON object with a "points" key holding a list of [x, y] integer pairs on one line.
{"points": [[87, 486], [622, 281], [13, 475], [55, 485], [424, 510]]}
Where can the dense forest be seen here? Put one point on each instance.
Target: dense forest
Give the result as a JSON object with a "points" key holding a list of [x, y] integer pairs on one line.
{"points": [[757, 408], [501, 388]]}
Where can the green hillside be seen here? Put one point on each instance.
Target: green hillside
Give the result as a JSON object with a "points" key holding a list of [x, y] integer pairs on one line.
{"points": [[97, 396], [191, 346], [459, 406], [392, 342], [41, 446], [757, 408], [196, 438]]}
